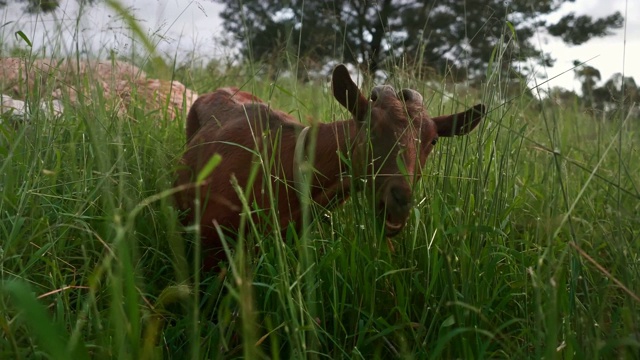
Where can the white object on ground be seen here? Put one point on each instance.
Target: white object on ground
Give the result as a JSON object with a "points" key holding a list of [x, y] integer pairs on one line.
{"points": [[19, 109]]}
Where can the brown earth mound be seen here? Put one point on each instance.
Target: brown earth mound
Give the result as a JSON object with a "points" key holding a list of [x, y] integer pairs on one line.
{"points": [[77, 82]]}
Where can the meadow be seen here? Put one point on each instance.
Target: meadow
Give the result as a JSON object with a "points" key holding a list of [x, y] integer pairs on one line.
{"points": [[522, 244]]}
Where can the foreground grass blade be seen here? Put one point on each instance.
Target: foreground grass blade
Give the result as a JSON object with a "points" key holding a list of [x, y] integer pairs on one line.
{"points": [[49, 334]]}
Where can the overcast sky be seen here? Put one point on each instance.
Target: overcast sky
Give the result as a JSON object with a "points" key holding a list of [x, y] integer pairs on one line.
{"points": [[181, 26]]}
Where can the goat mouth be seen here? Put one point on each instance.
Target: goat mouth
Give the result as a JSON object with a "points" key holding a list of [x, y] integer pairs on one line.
{"points": [[392, 228]]}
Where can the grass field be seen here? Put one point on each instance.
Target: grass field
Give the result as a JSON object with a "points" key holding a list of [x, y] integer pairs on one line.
{"points": [[524, 243]]}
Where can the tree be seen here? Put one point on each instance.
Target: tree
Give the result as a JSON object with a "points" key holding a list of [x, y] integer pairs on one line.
{"points": [[40, 6], [618, 93], [588, 76], [442, 34], [562, 97], [622, 89]]}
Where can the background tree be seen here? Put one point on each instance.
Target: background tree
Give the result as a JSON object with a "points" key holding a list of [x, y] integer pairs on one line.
{"points": [[441, 34], [622, 89], [618, 93], [36, 6], [588, 77], [562, 97]]}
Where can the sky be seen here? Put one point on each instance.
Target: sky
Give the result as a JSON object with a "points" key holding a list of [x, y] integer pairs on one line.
{"points": [[193, 27]]}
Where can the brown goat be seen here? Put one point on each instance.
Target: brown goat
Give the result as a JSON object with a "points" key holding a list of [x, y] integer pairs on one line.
{"points": [[387, 142]]}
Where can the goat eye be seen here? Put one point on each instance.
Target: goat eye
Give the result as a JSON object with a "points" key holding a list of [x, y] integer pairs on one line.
{"points": [[434, 141]]}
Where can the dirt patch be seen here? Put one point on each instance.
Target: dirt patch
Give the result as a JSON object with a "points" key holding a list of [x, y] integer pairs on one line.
{"points": [[80, 82]]}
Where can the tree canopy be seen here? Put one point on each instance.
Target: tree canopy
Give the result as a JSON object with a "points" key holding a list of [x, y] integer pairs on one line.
{"points": [[458, 38], [38, 6], [446, 35], [619, 93]]}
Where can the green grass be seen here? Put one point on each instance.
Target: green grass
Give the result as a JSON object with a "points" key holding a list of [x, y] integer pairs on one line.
{"points": [[523, 244]]}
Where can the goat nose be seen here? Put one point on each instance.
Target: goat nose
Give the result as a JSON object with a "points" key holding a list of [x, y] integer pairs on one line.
{"points": [[410, 95], [400, 196], [381, 91], [396, 199], [396, 206]]}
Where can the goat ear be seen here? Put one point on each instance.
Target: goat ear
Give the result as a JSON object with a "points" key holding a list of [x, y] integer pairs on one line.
{"points": [[461, 123], [348, 94]]}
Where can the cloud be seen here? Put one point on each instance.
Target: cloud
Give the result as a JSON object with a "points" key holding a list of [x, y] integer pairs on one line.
{"points": [[177, 27]]}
